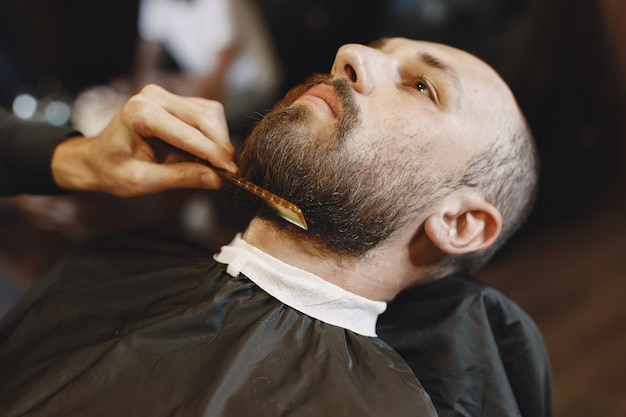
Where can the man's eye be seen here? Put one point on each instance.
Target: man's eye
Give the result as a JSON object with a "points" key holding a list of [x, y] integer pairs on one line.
{"points": [[422, 86]]}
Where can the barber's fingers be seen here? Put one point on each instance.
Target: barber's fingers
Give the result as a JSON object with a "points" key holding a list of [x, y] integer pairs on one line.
{"points": [[195, 125], [206, 115], [142, 177]]}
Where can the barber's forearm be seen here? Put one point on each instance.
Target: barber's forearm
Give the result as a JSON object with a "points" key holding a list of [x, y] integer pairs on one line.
{"points": [[26, 150], [70, 165]]}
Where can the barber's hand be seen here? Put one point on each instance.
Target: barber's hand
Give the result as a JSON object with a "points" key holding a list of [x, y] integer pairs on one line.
{"points": [[120, 162]]}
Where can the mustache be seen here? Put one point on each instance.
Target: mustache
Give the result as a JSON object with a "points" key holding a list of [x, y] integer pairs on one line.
{"points": [[342, 88]]}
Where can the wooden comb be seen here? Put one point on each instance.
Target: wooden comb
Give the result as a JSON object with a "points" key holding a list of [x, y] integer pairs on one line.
{"points": [[167, 153]]}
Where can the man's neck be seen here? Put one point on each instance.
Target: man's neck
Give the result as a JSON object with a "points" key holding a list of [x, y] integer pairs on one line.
{"points": [[379, 275]]}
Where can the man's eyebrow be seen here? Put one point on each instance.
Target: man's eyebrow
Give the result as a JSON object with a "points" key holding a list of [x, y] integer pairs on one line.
{"points": [[448, 71]]}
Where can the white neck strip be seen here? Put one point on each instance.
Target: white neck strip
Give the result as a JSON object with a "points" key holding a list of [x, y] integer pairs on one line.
{"points": [[300, 289]]}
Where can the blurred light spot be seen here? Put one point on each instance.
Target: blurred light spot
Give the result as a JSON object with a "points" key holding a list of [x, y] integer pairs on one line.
{"points": [[57, 113], [425, 12], [24, 106], [435, 12]]}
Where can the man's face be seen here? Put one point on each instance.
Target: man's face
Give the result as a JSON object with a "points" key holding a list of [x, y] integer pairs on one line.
{"points": [[381, 138]]}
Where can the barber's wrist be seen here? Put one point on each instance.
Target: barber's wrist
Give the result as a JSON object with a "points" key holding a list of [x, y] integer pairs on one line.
{"points": [[69, 164]]}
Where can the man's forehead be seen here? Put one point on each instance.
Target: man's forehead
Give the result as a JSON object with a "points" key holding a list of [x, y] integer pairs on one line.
{"points": [[390, 44], [447, 55]]}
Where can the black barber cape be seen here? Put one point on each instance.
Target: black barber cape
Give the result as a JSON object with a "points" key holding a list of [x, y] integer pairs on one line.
{"points": [[475, 351], [130, 326]]}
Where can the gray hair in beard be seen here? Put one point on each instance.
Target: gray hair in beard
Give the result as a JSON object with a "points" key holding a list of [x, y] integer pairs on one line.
{"points": [[352, 202]]}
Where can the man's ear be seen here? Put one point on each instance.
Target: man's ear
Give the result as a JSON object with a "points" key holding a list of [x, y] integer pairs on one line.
{"points": [[463, 222]]}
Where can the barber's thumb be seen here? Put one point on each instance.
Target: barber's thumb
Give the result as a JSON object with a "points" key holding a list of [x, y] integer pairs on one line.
{"points": [[211, 180]]}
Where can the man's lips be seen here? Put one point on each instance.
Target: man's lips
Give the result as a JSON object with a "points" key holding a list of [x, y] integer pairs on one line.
{"points": [[323, 97]]}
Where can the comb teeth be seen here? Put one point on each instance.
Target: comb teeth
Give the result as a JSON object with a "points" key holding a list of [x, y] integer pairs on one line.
{"points": [[283, 208]]}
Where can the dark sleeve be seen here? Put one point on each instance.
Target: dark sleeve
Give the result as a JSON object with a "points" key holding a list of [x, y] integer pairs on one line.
{"points": [[25, 153], [475, 351]]}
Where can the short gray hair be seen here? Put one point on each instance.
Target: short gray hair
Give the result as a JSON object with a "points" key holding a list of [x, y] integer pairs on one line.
{"points": [[506, 175]]}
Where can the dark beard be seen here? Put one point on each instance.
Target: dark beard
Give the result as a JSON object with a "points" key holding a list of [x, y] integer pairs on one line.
{"points": [[346, 200]]}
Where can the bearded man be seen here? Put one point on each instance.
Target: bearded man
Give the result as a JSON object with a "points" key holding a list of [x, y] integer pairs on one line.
{"points": [[411, 161]]}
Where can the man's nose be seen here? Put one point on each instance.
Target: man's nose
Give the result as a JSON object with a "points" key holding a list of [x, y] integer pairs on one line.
{"points": [[362, 65]]}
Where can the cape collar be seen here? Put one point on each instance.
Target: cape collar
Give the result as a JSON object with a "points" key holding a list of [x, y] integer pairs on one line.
{"points": [[300, 289]]}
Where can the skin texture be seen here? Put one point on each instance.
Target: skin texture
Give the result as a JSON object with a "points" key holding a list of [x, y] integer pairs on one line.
{"points": [[423, 111]]}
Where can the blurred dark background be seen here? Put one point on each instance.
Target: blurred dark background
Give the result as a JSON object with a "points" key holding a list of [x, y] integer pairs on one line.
{"points": [[565, 62], [556, 56]]}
